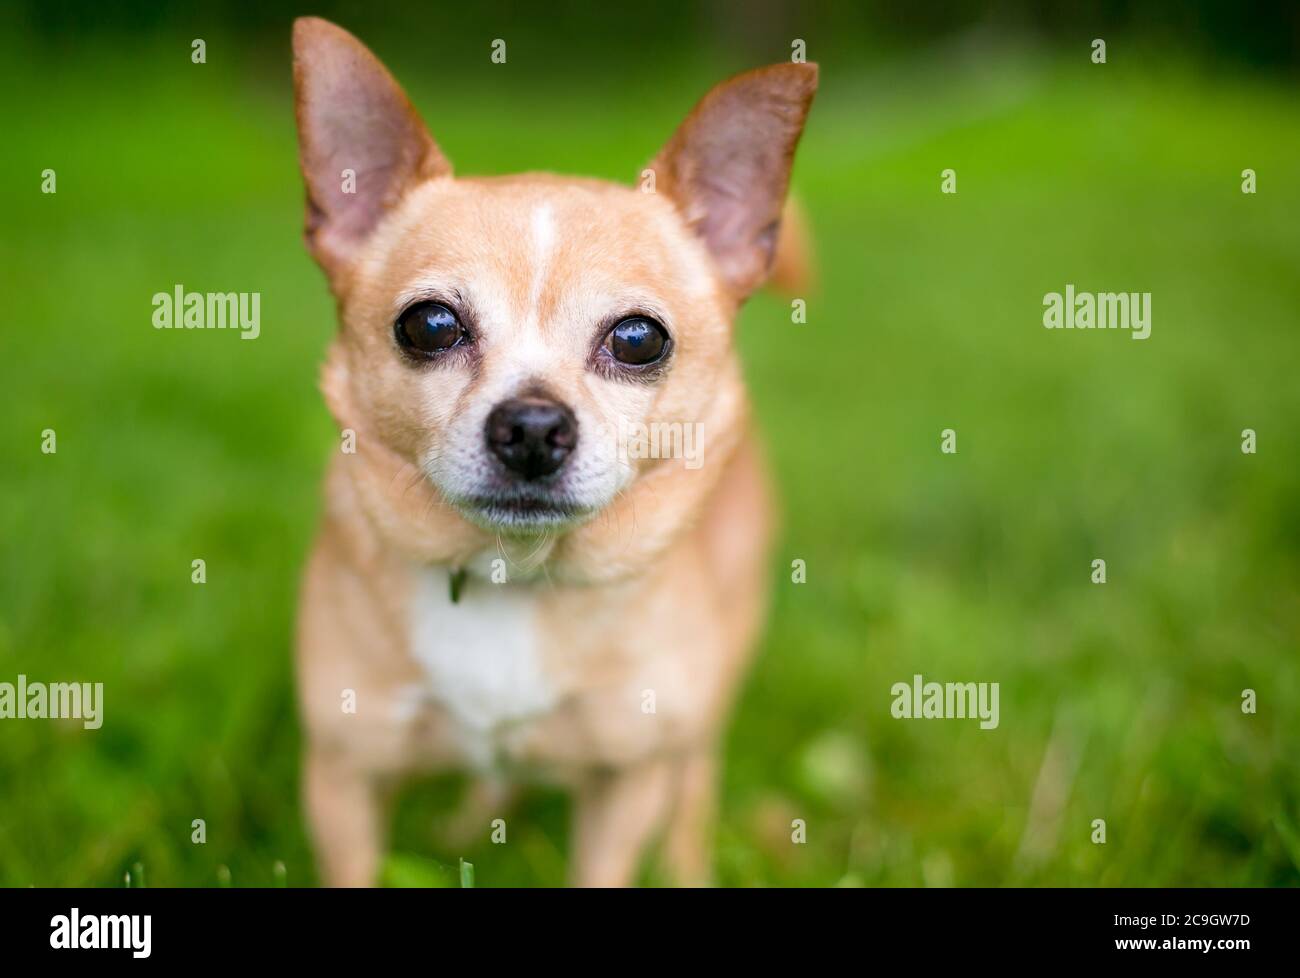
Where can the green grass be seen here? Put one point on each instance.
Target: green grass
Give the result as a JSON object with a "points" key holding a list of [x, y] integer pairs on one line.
{"points": [[1118, 701]]}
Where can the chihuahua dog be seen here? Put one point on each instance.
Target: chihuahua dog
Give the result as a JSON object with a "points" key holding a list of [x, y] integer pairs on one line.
{"points": [[499, 585]]}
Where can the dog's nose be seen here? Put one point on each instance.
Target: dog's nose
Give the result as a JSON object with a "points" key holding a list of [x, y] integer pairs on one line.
{"points": [[532, 435]]}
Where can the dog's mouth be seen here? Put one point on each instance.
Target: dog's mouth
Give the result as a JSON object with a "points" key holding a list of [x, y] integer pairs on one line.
{"points": [[522, 511]]}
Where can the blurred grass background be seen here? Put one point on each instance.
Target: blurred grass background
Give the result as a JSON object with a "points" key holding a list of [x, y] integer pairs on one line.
{"points": [[1119, 701]]}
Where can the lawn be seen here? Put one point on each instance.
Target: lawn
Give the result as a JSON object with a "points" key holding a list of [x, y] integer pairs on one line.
{"points": [[1118, 701]]}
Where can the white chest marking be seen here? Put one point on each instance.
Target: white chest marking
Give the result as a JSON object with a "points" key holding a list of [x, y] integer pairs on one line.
{"points": [[481, 655]]}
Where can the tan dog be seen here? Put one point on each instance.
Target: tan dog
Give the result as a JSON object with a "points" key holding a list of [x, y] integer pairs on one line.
{"points": [[503, 582]]}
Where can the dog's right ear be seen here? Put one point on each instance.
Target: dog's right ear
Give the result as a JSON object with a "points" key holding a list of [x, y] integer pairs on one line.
{"points": [[361, 144]]}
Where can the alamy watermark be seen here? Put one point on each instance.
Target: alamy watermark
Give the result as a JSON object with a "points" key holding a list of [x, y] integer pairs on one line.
{"points": [[920, 700], [95, 932], [209, 310], [661, 439], [1101, 310], [53, 701]]}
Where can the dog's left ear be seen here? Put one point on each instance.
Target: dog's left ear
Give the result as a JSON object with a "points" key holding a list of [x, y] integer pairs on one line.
{"points": [[362, 145], [728, 165]]}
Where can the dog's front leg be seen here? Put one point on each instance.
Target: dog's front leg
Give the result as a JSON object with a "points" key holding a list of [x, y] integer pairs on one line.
{"points": [[616, 814], [687, 849], [345, 814]]}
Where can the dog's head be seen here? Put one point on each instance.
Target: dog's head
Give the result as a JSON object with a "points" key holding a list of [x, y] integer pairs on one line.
{"points": [[518, 342]]}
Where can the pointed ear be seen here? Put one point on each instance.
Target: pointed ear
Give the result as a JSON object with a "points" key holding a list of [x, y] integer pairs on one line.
{"points": [[727, 166], [360, 143]]}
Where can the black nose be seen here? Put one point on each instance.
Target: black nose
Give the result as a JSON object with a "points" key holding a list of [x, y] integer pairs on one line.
{"points": [[532, 435]]}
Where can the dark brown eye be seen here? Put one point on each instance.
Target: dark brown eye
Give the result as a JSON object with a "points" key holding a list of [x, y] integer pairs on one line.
{"points": [[427, 329], [637, 341]]}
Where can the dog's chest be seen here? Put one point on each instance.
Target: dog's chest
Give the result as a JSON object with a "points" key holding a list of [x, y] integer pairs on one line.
{"points": [[481, 656]]}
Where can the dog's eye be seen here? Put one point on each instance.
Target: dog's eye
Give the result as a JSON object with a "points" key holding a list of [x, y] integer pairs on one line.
{"points": [[428, 329], [637, 341]]}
